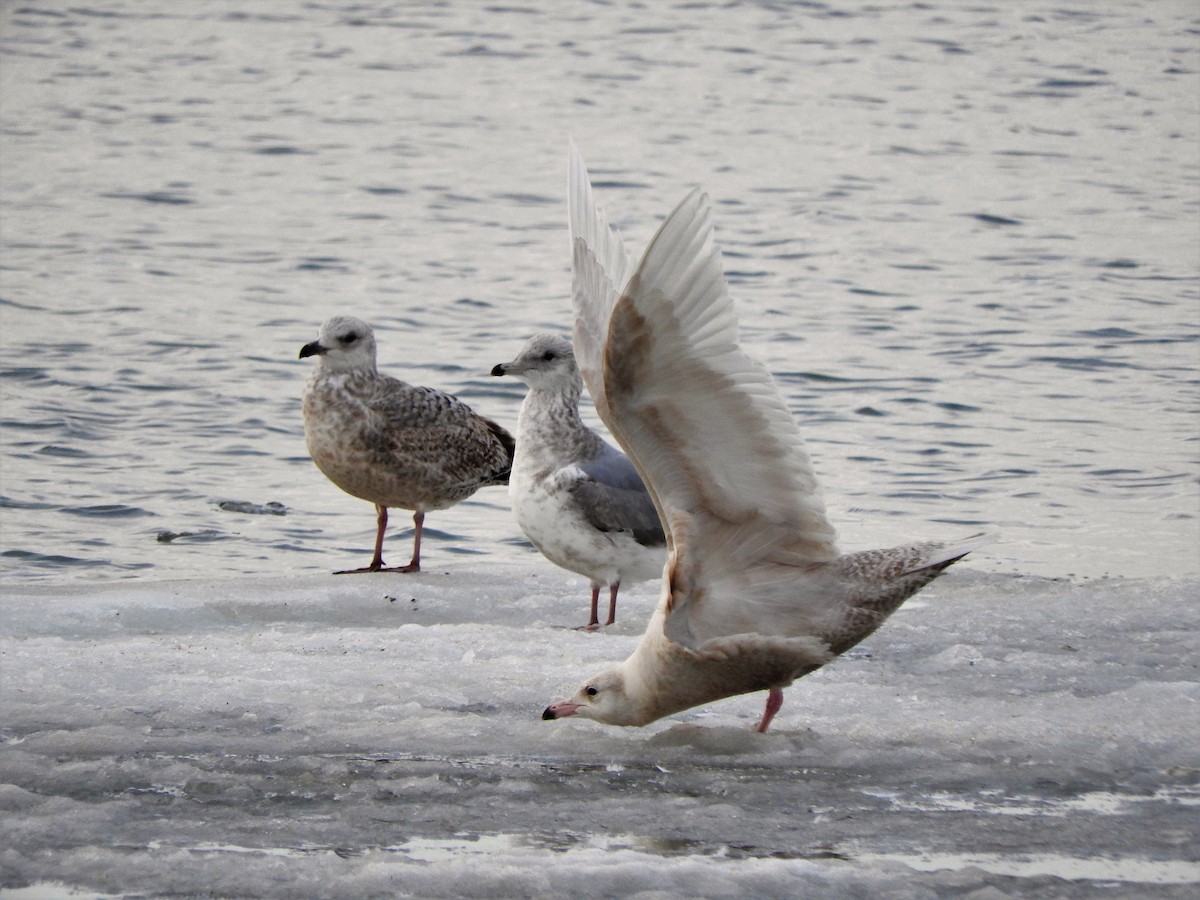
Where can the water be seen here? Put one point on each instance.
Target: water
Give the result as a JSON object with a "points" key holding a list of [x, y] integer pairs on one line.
{"points": [[966, 240]]}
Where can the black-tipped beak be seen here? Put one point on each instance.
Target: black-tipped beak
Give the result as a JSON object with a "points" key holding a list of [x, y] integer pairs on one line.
{"points": [[560, 710], [313, 349], [548, 712], [499, 369]]}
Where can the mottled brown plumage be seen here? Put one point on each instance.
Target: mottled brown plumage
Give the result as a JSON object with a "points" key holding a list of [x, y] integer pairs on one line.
{"points": [[391, 443]]}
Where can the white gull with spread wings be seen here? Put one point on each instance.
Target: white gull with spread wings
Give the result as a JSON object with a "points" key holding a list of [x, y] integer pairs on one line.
{"points": [[755, 591]]}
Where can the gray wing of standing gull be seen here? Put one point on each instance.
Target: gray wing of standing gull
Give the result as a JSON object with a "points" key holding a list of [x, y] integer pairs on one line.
{"points": [[613, 498]]}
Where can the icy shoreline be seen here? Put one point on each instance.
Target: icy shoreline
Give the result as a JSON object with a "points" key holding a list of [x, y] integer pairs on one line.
{"points": [[380, 735]]}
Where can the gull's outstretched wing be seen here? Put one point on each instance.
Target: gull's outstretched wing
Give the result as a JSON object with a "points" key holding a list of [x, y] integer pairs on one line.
{"points": [[597, 279], [705, 425]]}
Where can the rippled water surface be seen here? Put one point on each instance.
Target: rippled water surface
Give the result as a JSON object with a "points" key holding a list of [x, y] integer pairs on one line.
{"points": [[967, 241]]}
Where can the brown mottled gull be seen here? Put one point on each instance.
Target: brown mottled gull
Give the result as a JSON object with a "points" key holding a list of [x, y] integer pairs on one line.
{"points": [[390, 443], [755, 592], [578, 499]]}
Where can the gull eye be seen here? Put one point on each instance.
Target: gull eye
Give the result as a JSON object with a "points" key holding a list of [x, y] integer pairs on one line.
{"points": [[591, 691], [349, 338], [548, 355]]}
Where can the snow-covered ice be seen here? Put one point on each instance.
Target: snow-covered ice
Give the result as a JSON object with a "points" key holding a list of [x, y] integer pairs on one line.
{"points": [[380, 735]]}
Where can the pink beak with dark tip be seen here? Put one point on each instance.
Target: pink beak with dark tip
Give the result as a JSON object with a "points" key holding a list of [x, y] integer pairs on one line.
{"points": [[560, 710]]}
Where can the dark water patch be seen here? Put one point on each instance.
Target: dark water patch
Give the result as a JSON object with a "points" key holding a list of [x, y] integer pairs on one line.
{"points": [[267, 18], [106, 511], [996, 474], [16, 304], [282, 150], [869, 292], [484, 51], [1113, 332], [461, 550], [870, 411], [1069, 83], [64, 452], [957, 407], [28, 374], [1083, 363], [448, 199], [323, 263], [1034, 154], [861, 98], [162, 197], [818, 377], [13, 503], [600, 184], [991, 219], [52, 560], [33, 11], [205, 536], [528, 199], [1138, 479], [270, 508], [963, 522], [385, 191]]}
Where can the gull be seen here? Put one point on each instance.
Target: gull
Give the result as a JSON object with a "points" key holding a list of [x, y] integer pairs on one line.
{"points": [[755, 592], [390, 443], [578, 499]]}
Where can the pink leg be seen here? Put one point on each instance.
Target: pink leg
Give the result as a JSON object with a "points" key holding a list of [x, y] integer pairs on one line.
{"points": [[418, 527], [377, 562], [612, 603], [381, 520], [594, 621], [774, 701]]}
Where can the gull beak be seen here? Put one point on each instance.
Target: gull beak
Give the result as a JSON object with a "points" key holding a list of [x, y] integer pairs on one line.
{"points": [[313, 349], [560, 710], [500, 369]]}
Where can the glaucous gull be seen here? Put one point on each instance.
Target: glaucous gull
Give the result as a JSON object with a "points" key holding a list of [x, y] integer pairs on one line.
{"points": [[755, 591]]}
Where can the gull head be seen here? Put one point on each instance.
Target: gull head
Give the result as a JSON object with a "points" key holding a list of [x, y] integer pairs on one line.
{"points": [[545, 362], [604, 698], [346, 344]]}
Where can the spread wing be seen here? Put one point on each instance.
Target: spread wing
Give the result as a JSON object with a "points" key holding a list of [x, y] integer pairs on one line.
{"points": [[705, 425], [599, 277]]}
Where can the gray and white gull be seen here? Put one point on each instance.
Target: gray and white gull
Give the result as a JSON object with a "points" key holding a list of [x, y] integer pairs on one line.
{"points": [[755, 592], [578, 499], [391, 443]]}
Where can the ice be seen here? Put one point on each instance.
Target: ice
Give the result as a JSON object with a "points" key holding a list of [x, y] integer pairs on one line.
{"points": [[380, 735]]}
